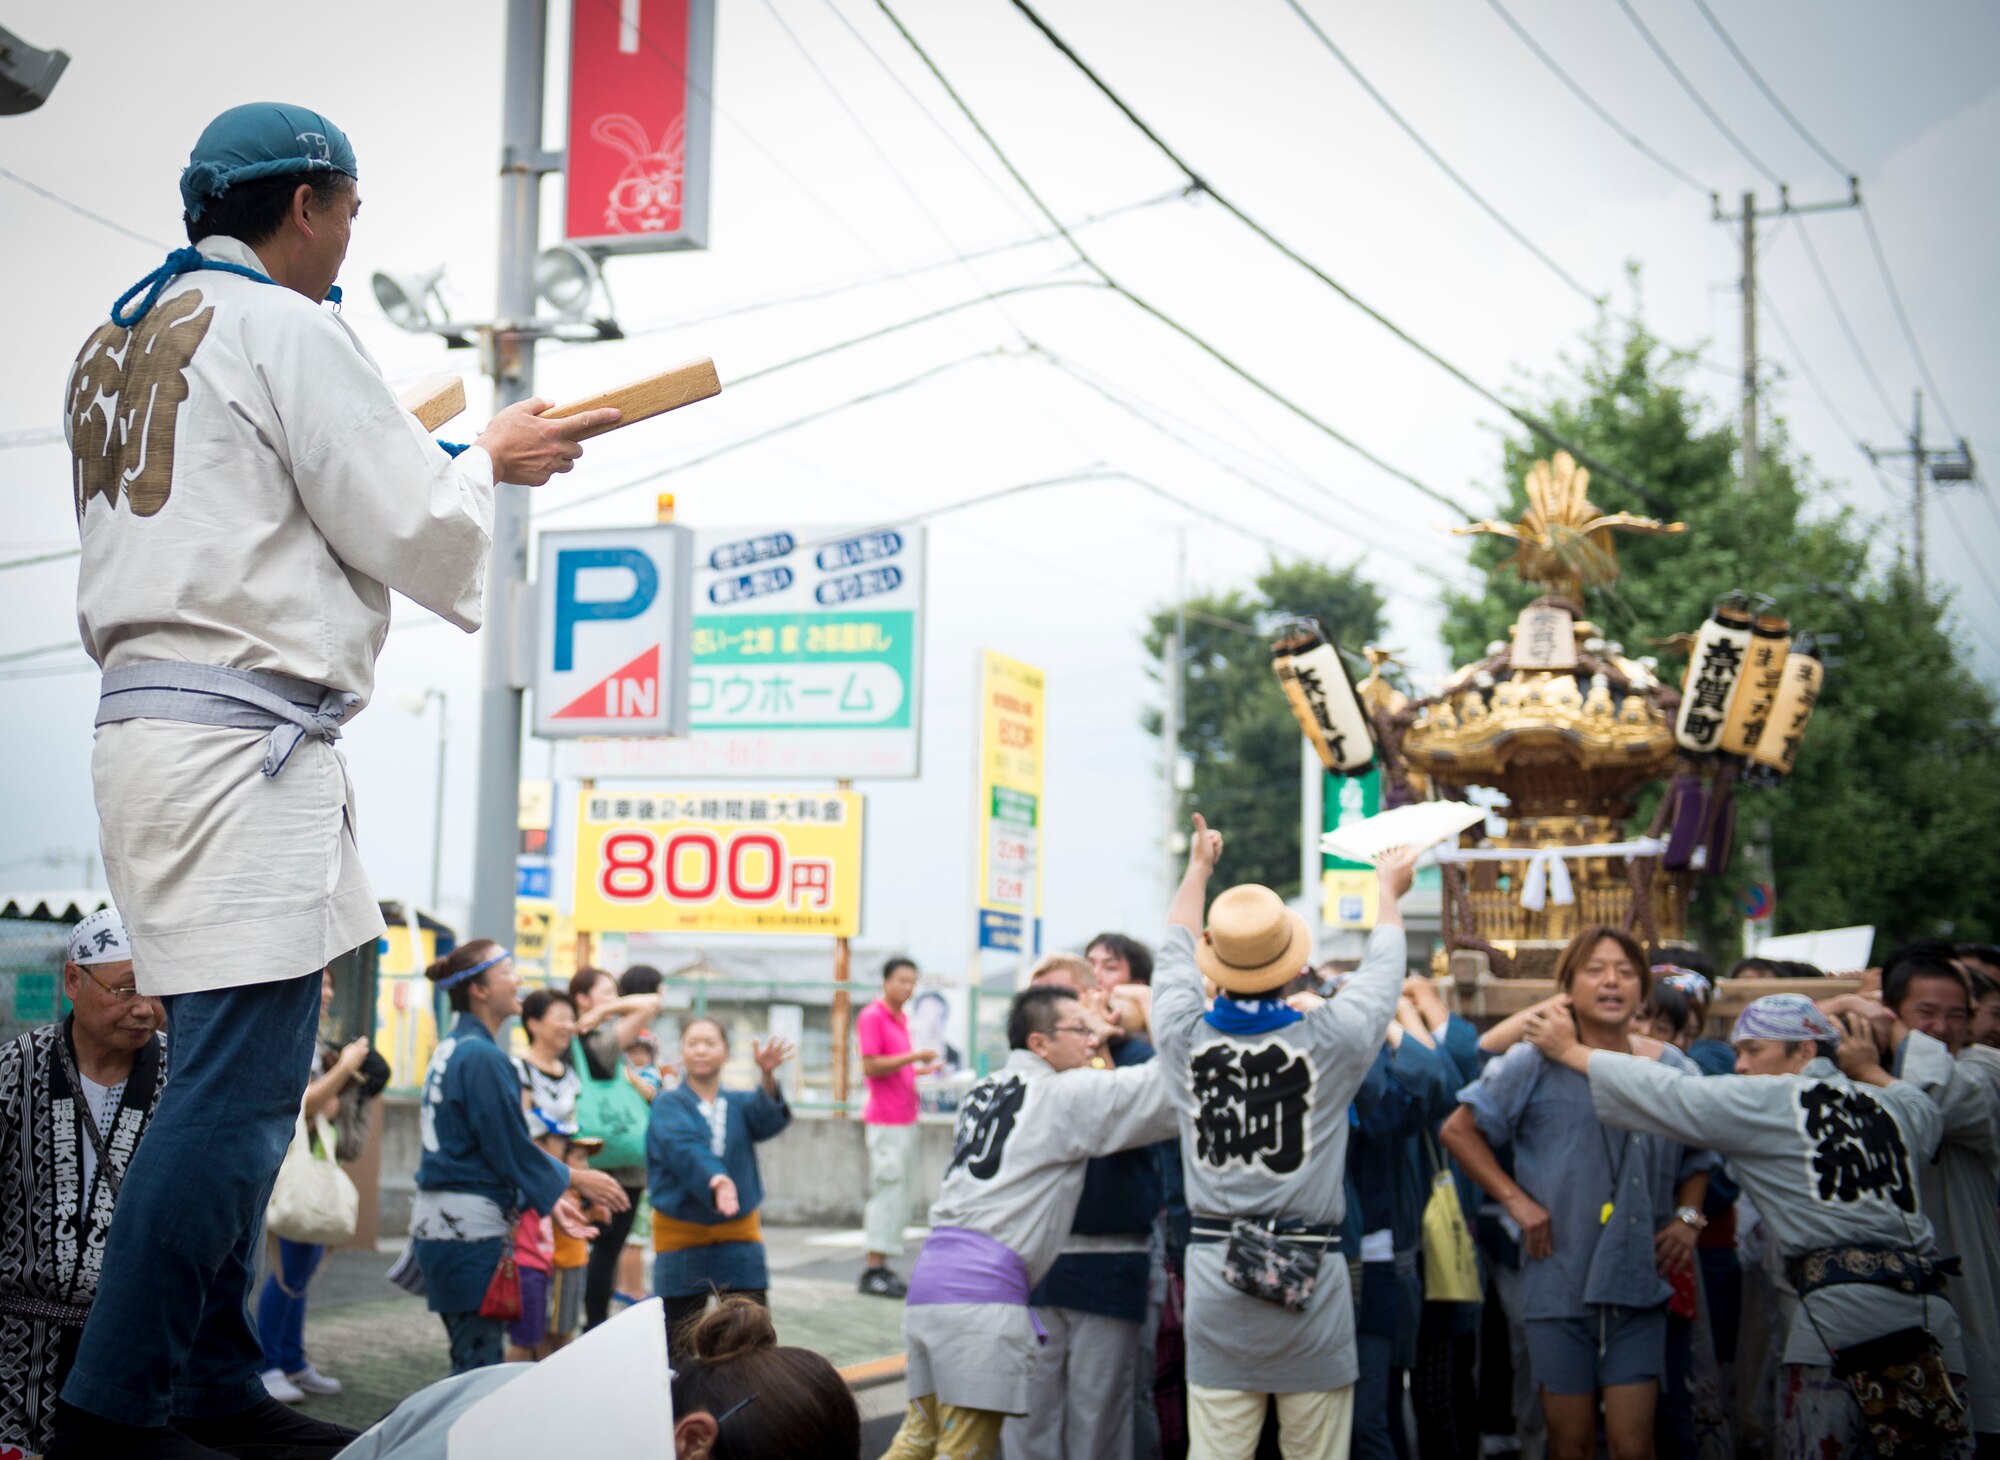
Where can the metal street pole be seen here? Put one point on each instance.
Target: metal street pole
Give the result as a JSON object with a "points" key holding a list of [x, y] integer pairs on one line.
{"points": [[1917, 465], [1749, 341], [522, 163], [437, 805], [1752, 456], [1170, 722]]}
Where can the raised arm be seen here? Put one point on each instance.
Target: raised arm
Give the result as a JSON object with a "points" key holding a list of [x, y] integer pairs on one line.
{"points": [[1367, 1001], [1177, 994], [1101, 1111]]}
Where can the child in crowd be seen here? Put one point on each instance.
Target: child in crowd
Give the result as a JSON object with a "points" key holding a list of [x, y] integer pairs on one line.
{"points": [[572, 1254], [534, 1254]]}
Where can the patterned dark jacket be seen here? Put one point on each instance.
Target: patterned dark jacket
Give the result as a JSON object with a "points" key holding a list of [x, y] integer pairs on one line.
{"points": [[52, 1231]]}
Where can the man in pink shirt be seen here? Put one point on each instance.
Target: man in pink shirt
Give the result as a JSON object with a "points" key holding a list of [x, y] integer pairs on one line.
{"points": [[891, 1068]]}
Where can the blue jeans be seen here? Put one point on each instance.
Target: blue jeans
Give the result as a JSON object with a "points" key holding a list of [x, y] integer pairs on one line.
{"points": [[281, 1306], [476, 1342], [169, 1330]]}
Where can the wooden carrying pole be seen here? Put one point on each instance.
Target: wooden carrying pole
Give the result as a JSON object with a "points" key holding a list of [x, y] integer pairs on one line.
{"points": [[435, 400]]}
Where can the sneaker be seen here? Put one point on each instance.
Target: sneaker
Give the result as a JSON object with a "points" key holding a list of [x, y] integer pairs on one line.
{"points": [[280, 1388], [880, 1282], [80, 1435], [312, 1381]]}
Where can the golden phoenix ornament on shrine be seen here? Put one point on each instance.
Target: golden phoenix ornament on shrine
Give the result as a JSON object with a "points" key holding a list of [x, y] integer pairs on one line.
{"points": [[1563, 541]]}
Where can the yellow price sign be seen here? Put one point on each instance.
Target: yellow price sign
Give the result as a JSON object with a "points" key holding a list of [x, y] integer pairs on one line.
{"points": [[777, 862]]}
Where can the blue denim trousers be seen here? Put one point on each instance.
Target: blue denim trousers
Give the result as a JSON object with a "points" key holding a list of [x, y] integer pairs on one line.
{"points": [[281, 1305], [476, 1342], [169, 1331]]}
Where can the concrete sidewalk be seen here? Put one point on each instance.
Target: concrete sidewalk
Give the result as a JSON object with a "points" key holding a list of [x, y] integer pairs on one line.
{"points": [[383, 1344]]}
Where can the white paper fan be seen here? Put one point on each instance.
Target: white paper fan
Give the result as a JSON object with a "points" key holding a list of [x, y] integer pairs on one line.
{"points": [[1424, 824]]}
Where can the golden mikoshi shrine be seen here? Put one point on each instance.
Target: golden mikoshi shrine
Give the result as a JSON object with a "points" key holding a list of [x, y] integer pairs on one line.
{"points": [[1571, 730]]}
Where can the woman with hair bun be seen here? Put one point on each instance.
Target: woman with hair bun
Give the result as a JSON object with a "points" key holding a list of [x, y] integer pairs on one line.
{"points": [[479, 1167], [738, 1394]]}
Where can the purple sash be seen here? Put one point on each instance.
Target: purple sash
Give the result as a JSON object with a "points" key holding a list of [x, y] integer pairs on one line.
{"points": [[957, 1266]]}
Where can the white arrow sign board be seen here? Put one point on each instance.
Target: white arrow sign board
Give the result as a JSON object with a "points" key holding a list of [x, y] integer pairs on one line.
{"points": [[611, 653]]}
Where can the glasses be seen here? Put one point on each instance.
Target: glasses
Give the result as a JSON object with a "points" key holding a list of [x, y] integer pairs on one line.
{"points": [[123, 995], [1071, 1029]]}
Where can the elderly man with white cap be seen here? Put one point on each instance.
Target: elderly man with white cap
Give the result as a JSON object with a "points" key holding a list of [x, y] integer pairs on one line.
{"points": [[1831, 1155], [75, 1097], [1262, 1094], [248, 490]]}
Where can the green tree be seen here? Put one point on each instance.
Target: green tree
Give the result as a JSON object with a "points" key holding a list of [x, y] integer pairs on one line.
{"points": [[1888, 817], [1235, 721]]}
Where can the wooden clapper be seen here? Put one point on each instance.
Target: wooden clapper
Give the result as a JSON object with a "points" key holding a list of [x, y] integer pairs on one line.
{"points": [[441, 397]]}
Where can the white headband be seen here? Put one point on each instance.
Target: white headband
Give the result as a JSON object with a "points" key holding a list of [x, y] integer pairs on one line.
{"points": [[100, 938]]}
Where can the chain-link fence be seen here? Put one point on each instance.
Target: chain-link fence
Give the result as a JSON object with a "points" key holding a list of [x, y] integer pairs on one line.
{"points": [[31, 968]]}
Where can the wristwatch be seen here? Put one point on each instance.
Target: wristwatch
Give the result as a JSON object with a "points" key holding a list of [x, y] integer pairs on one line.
{"points": [[1690, 1216]]}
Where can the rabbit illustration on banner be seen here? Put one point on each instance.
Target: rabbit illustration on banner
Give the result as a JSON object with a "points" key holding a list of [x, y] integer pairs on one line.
{"points": [[647, 196]]}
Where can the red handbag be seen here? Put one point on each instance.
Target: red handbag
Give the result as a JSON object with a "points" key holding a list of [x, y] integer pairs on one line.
{"points": [[503, 1294]]}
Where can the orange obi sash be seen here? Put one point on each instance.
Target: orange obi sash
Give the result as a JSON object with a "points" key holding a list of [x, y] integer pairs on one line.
{"points": [[670, 1234]]}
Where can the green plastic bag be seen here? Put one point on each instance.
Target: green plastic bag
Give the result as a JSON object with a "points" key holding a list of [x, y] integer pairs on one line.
{"points": [[616, 1113]]}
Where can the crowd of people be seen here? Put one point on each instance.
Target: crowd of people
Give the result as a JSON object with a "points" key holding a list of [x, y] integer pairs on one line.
{"points": [[1217, 1202]]}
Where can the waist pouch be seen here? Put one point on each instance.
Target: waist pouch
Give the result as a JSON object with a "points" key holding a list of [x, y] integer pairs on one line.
{"points": [[1276, 1261], [1905, 1396]]}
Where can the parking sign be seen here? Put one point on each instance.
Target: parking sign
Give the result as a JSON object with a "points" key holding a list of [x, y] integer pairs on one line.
{"points": [[612, 614]]}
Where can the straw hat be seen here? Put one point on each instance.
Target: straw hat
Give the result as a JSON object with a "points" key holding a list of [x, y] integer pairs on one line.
{"points": [[1253, 943]]}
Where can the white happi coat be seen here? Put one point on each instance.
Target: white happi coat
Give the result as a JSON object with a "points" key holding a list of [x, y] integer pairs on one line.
{"points": [[248, 491]]}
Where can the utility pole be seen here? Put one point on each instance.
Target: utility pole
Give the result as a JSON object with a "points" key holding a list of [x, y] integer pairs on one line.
{"points": [[1748, 218], [1944, 465], [512, 346]]}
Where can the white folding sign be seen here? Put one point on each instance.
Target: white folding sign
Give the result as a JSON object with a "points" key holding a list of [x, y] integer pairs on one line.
{"points": [[611, 654]]}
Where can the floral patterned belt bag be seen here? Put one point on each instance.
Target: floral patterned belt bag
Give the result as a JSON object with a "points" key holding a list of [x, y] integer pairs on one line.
{"points": [[1898, 1380], [1277, 1261]]}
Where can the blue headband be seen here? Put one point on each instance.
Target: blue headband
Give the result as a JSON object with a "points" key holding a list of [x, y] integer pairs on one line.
{"points": [[263, 139], [456, 979]]}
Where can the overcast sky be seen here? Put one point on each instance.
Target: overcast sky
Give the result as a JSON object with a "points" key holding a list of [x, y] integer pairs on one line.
{"points": [[803, 196]]}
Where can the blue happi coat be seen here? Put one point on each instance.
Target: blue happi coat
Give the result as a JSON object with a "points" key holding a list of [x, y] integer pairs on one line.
{"points": [[475, 1142], [680, 1164]]}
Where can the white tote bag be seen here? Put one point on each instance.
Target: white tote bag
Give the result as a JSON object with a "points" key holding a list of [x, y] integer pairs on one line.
{"points": [[313, 1201]]}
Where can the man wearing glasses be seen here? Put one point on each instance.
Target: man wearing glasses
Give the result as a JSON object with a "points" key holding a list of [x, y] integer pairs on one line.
{"points": [[74, 1099], [1024, 1138]]}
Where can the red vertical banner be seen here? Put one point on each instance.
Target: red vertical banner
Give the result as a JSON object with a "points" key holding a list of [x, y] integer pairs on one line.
{"points": [[638, 149]]}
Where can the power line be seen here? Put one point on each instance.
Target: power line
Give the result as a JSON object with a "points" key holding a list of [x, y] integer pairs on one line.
{"points": [[1804, 363], [1770, 95], [767, 433], [1978, 566], [37, 653], [1576, 89], [929, 116], [30, 436], [82, 212], [52, 671], [1431, 152], [1867, 218], [1840, 314], [1533, 424], [1695, 96], [1112, 283], [40, 558], [1903, 319], [1139, 413], [882, 152], [863, 281]]}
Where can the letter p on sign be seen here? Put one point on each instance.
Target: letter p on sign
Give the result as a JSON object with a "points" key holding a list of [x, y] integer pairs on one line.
{"points": [[614, 621]]}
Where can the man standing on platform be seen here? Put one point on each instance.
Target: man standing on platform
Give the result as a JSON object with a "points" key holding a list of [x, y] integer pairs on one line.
{"points": [[891, 1068], [248, 491]]}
